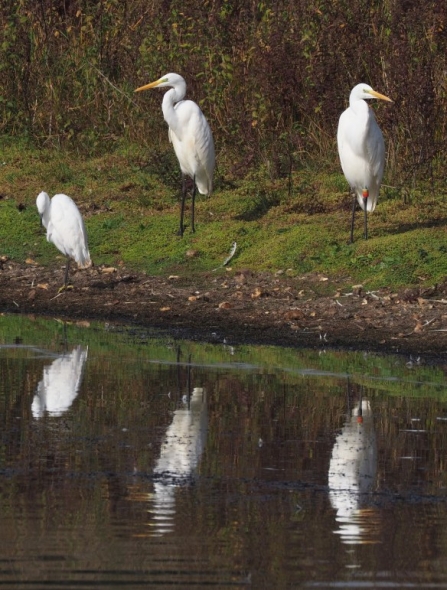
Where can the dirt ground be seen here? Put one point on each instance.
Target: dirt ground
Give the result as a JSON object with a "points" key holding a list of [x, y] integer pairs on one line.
{"points": [[238, 307]]}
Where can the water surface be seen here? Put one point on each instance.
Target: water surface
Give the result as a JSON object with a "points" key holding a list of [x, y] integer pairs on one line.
{"points": [[128, 458]]}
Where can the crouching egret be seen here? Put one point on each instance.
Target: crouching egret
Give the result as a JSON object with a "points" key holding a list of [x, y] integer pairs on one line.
{"points": [[191, 137], [362, 150], [65, 228]]}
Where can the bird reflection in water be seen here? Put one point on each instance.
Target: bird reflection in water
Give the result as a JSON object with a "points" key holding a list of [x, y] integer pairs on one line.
{"points": [[180, 454], [352, 477], [60, 384]]}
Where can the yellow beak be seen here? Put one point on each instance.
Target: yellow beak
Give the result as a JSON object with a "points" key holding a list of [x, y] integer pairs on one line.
{"points": [[151, 85], [378, 95]]}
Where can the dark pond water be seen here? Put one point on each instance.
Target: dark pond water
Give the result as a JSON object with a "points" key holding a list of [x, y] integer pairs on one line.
{"points": [[128, 459]]}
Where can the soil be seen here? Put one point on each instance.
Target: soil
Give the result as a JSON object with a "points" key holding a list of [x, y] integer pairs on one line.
{"points": [[238, 307]]}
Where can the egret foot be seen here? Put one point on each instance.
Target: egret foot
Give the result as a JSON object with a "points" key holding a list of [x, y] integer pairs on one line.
{"points": [[64, 288]]}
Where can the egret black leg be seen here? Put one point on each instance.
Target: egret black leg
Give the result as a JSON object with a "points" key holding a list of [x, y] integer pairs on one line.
{"points": [[366, 221], [193, 229], [182, 207], [66, 272], [65, 286], [365, 195], [354, 203]]}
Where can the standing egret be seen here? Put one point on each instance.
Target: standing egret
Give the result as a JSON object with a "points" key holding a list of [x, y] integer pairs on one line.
{"points": [[65, 228], [180, 454], [60, 384], [362, 150], [191, 137], [352, 476]]}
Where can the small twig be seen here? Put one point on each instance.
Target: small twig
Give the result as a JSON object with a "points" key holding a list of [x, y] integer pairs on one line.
{"points": [[115, 87]]}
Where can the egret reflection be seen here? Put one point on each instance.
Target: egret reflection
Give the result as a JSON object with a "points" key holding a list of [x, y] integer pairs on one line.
{"points": [[352, 476], [180, 454], [60, 384]]}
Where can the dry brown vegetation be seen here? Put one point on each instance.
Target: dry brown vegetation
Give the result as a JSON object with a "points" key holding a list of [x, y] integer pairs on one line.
{"points": [[272, 77]]}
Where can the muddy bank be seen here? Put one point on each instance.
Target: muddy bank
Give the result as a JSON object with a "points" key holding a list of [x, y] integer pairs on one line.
{"points": [[238, 307]]}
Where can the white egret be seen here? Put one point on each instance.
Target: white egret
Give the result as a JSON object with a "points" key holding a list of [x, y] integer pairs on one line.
{"points": [[362, 150], [60, 384], [65, 228], [180, 454], [352, 475], [191, 137]]}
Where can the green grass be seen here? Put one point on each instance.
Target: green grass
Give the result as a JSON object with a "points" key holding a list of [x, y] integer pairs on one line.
{"points": [[132, 216]]}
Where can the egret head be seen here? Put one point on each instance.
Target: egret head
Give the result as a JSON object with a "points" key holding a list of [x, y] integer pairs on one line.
{"points": [[174, 80], [365, 92], [42, 202]]}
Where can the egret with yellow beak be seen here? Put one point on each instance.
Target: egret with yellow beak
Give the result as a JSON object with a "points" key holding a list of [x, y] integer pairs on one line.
{"points": [[191, 137], [362, 150]]}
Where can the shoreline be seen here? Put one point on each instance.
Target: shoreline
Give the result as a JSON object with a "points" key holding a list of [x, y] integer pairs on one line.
{"points": [[237, 307]]}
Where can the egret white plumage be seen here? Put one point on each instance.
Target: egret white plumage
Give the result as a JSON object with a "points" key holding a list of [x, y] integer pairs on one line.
{"points": [[352, 475], [60, 384], [65, 229], [191, 138], [362, 150], [180, 454]]}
